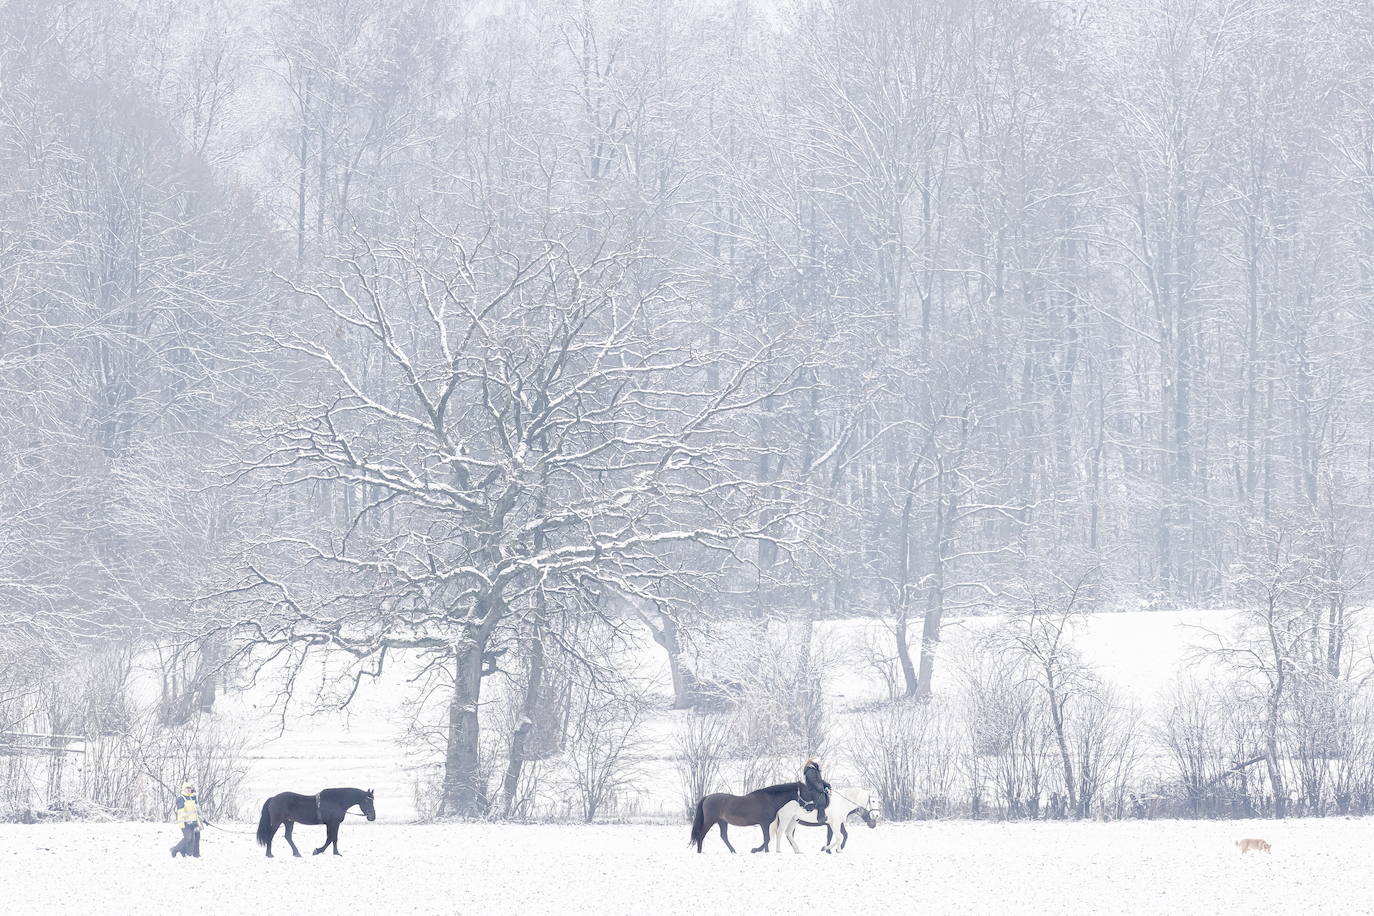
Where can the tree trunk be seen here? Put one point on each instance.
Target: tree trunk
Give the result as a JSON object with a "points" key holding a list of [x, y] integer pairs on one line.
{"points": [[909, 678], [935, 609], [1271, 750], [463, 793], [207, 680], [912, 682], [520, 739], [666, 636], [1335, 635], [1057, 719], [301, 166], [930, 637], [1272, 720]]}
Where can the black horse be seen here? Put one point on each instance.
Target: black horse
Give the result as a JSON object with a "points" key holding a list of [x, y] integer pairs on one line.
{"points": [[327, 807]]}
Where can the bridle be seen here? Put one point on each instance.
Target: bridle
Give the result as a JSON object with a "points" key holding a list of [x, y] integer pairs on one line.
{"points": [[361, 812]]}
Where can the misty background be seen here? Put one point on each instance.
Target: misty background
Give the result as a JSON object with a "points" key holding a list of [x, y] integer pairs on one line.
{"points": [[484, 339]]}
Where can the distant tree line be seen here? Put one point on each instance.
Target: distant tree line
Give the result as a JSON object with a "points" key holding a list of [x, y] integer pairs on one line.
{"points": [[486, 334]]}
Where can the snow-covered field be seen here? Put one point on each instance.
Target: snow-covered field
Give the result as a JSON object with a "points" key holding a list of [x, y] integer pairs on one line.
{"points": [[951, 867]]}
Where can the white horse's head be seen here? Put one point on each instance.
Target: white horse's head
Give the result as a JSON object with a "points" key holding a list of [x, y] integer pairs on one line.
{"points": [[869, 810]]}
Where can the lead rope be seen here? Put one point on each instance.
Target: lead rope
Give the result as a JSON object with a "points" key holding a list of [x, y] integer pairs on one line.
{"points": [[225, 830]]}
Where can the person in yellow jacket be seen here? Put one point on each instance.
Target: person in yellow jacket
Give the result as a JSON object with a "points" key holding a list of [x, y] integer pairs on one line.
{"points": [[190, 819]]}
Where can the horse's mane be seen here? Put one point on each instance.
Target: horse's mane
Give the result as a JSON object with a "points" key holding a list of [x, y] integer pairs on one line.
{"points": [[780, 788]]}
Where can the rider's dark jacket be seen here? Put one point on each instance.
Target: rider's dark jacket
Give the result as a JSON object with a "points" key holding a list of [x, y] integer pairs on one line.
{"points": [[815, 791]]}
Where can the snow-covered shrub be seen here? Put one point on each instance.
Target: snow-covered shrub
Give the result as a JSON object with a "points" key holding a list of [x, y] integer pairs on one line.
{"points": [[701, 742], [907, 752], [1102, 733], [1352, 765], [109, 754], [605, 749], [1008, 737], [776, 700], [1196, 736]]}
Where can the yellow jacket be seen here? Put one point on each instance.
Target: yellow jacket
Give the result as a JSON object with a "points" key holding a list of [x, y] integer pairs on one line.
{"points": [[188, 812]]}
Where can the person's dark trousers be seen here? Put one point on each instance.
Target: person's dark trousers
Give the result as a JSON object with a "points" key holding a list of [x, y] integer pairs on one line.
{"points": [[190, 842]]}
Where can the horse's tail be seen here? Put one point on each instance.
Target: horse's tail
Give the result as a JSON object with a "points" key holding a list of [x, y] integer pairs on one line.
{"points": [[698, 825], [265, 824]]}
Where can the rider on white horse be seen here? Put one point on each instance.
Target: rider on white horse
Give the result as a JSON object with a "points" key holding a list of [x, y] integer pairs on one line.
{"points": [[844, 803]]}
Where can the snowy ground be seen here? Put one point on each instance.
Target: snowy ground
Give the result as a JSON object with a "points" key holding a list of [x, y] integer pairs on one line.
{"points": [[955, 867]]}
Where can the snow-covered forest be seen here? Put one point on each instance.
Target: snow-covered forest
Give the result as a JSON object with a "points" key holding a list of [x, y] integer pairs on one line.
{"points": [[495, 347]]}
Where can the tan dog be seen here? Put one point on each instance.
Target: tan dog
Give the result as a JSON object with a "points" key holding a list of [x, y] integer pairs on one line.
{"points": [[1248, 844]]}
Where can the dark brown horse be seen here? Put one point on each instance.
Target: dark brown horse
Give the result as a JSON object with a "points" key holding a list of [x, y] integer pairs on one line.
{"points": [[757, 809], [328, 808]]}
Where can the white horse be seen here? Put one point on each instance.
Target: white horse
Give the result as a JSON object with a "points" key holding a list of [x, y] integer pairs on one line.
{"points": [[843, 805]]}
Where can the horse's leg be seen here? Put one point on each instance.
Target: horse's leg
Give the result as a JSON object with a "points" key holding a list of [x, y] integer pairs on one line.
{"points": [[835, 840], [331, 837], [723, 835], [764, 847], [294, 851], [784, 826]]}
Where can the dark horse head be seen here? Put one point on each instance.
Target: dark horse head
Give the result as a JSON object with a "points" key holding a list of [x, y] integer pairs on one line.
{"points": [[366, 804]]}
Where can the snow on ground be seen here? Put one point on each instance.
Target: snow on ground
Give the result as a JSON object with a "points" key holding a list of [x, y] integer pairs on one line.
{"points": [[942, 867]]}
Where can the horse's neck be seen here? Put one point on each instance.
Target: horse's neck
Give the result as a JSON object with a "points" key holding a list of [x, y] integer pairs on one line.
{"points": [[849, 798]]}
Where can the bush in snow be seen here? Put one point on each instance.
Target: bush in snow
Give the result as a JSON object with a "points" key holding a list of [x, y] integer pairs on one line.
{"points": [[701, 745]]}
